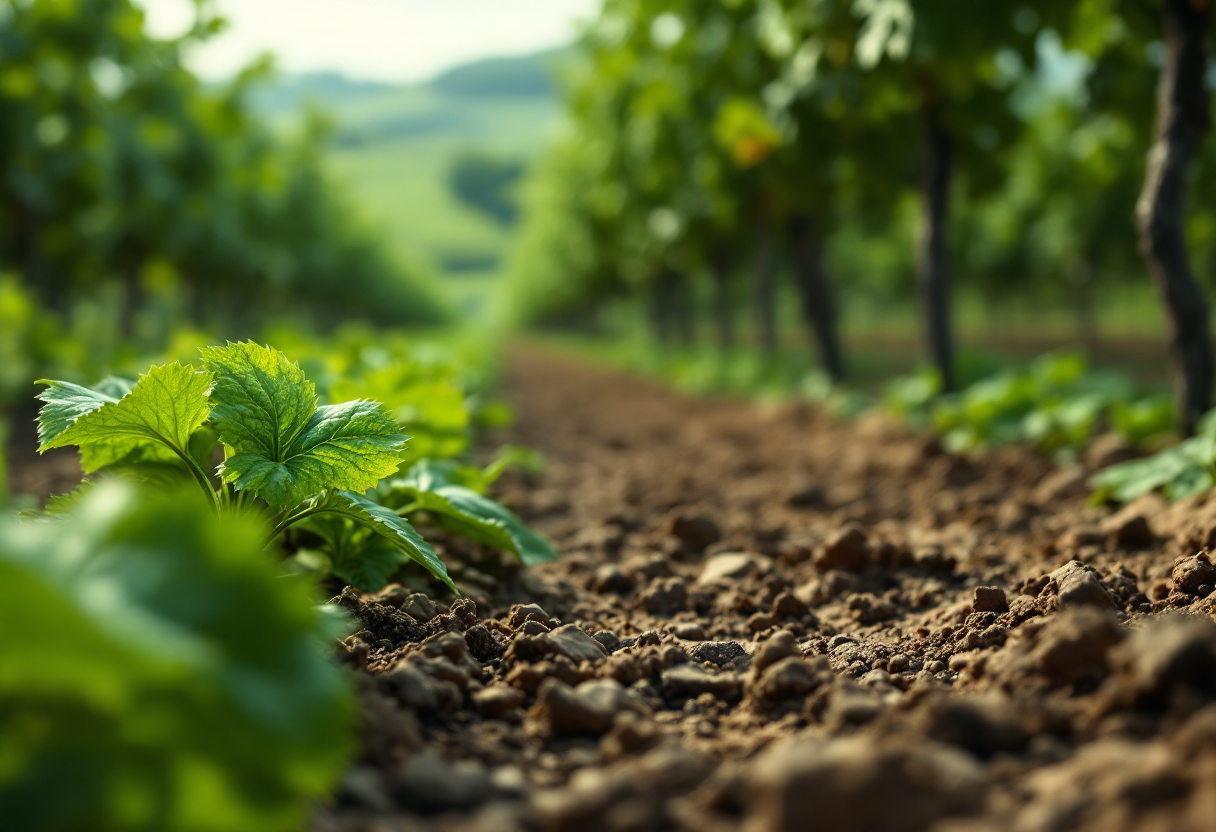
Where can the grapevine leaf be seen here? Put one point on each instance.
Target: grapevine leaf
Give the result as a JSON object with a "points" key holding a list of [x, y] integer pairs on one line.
{"points": [[64, 403], [166, 405], [468, 513], [148, 642], [286, 448], [384, 522], [262, 400]]}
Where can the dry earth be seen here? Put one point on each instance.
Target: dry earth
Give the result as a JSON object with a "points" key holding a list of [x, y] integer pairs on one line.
{"points": [[764, 620]]}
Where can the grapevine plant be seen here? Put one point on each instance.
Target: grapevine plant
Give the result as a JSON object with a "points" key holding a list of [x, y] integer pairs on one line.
{"points": [[299, 462]]}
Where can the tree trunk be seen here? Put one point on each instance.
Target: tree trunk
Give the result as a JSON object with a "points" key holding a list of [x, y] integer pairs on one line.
{"points": [[663, 309], [932, 274], [721, 263], [818, 305], [1182, 121], [766, 305], [1083, 303], [683, 310]]}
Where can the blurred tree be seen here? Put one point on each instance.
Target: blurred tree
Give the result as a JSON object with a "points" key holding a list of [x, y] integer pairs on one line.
{"points": [[954, 65], [118, 166], [1124, 40], [485, 183]]}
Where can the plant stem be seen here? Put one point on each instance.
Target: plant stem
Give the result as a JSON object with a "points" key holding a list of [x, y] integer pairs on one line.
{"points": [[412, 507], [292, 519], [200, 476]]}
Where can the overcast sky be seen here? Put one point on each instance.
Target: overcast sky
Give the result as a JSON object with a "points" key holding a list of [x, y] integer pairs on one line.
{"points": [[389, 40]]}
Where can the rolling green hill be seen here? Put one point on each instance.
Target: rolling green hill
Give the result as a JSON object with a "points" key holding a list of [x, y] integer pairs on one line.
{"points": [[394, 147]]}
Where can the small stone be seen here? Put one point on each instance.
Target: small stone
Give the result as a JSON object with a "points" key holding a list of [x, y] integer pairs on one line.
{"points": [[363, 786], [990, 599], [1130, 528], [1074, 645], [731, 566], [690, 632], [1171, 660], [688, 681], [859, 783], [807, 495], [526, 612], [790, 677], [495, 701], [411, 687], [655, 566], [665, 595], [845, 549], [1189, 574], [609, 640], [1078, 586], [717, 652], [839, 640], [779, 646], [696, 533], [428, 784], [574, 644], [609, 578], [419, 607], [788, 605], [481, 643], [532, 628], [393, 595], [760, 622], [588, 709]]}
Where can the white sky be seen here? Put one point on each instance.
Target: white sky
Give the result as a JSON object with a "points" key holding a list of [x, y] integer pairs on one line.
{"points": [[388, 40]]}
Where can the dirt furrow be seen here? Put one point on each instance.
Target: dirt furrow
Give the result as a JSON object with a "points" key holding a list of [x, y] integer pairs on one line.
{"points": [[767, 620]]}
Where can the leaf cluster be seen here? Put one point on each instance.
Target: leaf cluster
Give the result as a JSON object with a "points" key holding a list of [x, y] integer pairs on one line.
{"points": [[160, 673], [286, 456], [1055, 404]]}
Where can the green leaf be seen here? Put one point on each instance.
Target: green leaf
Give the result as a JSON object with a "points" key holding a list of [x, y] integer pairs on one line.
{"points": [[166, 405], [262, 401], [286, 448], [1181, 470], [160, 674], [432, 411], [470, 514], [64, 404], [386, 523], [356, 554]]}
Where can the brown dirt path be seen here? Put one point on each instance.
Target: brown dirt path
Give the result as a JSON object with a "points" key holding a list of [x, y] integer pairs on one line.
{"points": [[765, 620]]}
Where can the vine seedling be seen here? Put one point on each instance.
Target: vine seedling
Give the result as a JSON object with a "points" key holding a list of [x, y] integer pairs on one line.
{"points": [[284, 454]]}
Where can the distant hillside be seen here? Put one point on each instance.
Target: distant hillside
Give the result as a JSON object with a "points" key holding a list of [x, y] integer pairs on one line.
{"points": [[527, 76], [291, 92], [395, 146]]}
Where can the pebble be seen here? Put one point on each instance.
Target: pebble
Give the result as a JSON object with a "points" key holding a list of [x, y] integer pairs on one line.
{"points": [[1189, 574], [859, 784], [588, 709], [846, 549], [717, 652], [688, 681], [989, 599], [697, 533], [571, 642], [610, 578], [1078, 586], [731, 566], [690, 632]]}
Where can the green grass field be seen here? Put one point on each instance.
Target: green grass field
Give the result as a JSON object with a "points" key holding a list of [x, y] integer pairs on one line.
{"points": [[393, 148]]}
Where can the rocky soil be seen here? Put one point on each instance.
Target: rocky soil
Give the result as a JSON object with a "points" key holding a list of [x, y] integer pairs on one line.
{"points": [[768, 621]]}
